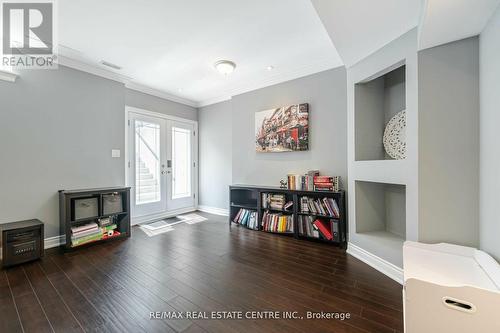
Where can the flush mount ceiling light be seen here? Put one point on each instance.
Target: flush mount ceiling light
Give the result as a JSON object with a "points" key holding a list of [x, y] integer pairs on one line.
{"points": [[270, 68], [225, 66]]}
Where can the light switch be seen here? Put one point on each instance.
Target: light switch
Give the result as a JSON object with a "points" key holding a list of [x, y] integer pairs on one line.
{"points": [[115, 152]]}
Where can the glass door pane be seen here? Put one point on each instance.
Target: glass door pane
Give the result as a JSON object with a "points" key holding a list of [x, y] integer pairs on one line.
{"points": [[147, 162], [181, 162]]}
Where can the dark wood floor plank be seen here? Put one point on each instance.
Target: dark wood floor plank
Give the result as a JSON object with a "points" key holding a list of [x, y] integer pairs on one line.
{"points": [[30, 311], [132, 280], [59, 315], [82, 309], [113, 287], [116, 317], [8, 307]]}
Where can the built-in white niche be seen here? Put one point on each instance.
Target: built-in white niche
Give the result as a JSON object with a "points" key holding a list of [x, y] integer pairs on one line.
{"points": [[381, 209], [376, 101]]}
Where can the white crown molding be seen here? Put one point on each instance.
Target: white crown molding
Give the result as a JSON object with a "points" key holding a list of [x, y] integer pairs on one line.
{"points": [[8, 76], [213, 210], [381, 265], [314, 68], [127, 81], [214, 101], [158, 93], [91, 69]]}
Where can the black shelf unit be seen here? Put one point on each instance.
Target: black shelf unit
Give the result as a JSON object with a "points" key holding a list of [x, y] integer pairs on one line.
{"points": [[67, 215], [250, 197]]}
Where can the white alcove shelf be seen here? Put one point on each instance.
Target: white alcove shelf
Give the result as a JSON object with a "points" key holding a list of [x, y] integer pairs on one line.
{"points": [[376, 101]]}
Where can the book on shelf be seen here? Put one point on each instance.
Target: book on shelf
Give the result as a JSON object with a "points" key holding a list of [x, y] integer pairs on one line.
{"points": [[306, 227], [323, 228], [92, 232], [247, 218], [278, 223], [326, 183], [318, 228], [312, 181], [325, 206], [273, 201], [304, 207], [288, 205]]}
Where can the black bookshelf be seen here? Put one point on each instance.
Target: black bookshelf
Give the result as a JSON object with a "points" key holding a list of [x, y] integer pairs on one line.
{"points": [[67, 213], [250, 197]]}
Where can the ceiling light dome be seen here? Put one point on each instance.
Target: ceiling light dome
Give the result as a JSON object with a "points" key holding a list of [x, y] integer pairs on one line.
{"points": [[225, 66]]}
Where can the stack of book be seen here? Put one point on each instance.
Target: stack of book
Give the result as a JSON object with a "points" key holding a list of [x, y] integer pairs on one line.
{"points": [[318, 228], [247, 218], [86, 233], [91, 232], [302, 182], [312, 181], [326, 183], [277, 223], [273, 201], [306, 226], [325, 206]]}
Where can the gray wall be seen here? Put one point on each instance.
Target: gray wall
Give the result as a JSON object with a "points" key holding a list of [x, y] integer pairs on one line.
{"points": [[490, 137], [227, 139], [448, 89], [380, 207], [377, 101], [215, 129], [152, 103], [57, 129], [326, 94]]}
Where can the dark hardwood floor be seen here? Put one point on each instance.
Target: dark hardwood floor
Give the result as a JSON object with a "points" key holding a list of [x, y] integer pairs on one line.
{"points": [[204, 267]]}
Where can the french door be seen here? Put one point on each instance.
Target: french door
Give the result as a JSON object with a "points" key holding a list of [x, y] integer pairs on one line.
{"points": [[161, 164]]}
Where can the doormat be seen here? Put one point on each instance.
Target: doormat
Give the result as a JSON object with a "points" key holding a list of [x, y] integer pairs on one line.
{"points": [[192, 218]]}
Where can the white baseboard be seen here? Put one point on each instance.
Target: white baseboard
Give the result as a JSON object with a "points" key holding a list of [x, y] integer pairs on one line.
{"points": [[164, 215], [213, 210], [381, 265], [54, 241]]}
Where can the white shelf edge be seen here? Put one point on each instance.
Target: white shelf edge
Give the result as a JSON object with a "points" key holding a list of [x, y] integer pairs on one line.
{"points": [[390, 270], [380, 171]]}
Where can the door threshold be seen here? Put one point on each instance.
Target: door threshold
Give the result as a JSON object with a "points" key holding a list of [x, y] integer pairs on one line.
{"points": [[159, 216]]}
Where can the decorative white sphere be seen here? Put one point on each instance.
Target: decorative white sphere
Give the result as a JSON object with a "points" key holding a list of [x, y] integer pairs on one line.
{"points": [[395, 136]]}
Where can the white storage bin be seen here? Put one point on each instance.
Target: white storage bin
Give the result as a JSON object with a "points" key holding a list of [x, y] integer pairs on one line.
{"points": [[450, 288]]}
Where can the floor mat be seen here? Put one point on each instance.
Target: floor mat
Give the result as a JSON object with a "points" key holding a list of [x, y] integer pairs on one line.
{"points": [[166, 225], [192, 218]]}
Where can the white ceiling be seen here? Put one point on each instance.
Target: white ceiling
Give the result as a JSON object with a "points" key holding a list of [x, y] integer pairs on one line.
{"points": [[171, 46], [168, 47], [445, 21], [360, 27]]}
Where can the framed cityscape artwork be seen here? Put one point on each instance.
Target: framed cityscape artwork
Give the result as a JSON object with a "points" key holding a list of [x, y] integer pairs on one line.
{"points": [[282, 129]]}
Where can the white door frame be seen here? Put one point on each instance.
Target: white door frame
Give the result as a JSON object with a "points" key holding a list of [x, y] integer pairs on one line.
{"points": [[142, 219]]}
